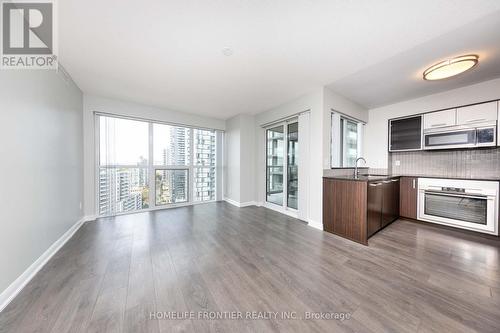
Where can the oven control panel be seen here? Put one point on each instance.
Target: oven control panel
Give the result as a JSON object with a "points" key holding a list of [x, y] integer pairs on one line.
{"points": [[453, 189]]}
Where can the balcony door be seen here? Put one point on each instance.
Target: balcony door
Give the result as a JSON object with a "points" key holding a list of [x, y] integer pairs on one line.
{"points": [[282, 183]]}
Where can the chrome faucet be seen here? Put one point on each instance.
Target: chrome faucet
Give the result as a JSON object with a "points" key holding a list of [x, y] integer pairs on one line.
{"points": [[356, 171]]}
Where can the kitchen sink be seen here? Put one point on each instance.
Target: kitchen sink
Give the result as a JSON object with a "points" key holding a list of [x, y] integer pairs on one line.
{"points": [[373, 176]]}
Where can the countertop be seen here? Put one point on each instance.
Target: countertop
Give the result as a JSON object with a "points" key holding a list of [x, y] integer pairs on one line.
{"points": [[374, 177], [363, 178]]}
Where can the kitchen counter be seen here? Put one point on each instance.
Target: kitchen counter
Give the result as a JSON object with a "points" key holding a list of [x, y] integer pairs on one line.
{"points": [[364, 178], [493, 179], [357, 208]]}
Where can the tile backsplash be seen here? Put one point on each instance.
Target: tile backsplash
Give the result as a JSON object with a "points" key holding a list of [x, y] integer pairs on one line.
{"points": [[466, 163]]}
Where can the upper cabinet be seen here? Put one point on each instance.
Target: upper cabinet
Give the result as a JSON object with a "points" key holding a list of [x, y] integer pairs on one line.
{"points": [[405, 134], [469, 115], [414, 132], [440, 119]]}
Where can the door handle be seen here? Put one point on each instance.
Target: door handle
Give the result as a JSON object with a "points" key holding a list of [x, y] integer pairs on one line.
{"points": [[414, 182]]}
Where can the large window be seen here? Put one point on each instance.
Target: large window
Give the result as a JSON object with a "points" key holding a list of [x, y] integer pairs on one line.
{"points": [[346, 141], [145, 165], [123, 166], [171, 186], [204, 165]]}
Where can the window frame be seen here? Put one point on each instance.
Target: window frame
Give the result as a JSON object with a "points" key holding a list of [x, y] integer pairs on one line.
{"points": [[337, 153], [151, 167]]}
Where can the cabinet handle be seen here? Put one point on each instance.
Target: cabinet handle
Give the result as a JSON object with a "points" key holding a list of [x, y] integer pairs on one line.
{"points": [[374, 184], [436, 125], [394, 180], [413, 182], [474, 120]]}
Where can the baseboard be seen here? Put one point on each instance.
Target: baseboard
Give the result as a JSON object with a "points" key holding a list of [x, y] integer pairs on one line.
{"points": [[15, 287], [281, 210], [242, 204], [315, 224], [89, 218]]}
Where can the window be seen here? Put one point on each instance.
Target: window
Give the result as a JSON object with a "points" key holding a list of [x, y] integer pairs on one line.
{"points": [[171, 186], [123, 166], [349, 139], [171, 145], [346, 141], [181, 168]]}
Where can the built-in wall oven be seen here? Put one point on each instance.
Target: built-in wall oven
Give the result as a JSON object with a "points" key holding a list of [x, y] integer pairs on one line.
{"points": [[466, 204], [480, 135]]}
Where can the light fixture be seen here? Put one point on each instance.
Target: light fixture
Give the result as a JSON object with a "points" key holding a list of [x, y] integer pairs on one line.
{"points": [[450, 67]]}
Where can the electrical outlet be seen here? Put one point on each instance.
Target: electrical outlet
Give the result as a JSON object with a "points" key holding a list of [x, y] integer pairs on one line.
{"points": [[397, 163], [81, 205]]}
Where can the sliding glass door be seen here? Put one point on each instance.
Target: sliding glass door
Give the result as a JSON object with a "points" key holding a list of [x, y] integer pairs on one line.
{"points": [[292, 165], [275, 153], [144, 164], [282, 164]]}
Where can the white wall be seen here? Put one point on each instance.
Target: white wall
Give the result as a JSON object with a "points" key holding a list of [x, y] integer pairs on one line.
{"points": [[42, 166], [240, 159], [232, 159], [376, 130], [247, 158], [93, 104]]}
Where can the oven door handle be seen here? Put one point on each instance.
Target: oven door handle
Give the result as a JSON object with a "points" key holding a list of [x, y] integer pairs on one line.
{"points": [[444, 194]]}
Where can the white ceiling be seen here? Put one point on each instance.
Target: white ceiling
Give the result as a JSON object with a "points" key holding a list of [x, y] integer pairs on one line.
{"points": [[399, 78], [169, 53]]}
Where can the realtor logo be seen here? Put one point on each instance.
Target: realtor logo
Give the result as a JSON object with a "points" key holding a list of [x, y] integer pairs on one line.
{"points": [[28, 35]]}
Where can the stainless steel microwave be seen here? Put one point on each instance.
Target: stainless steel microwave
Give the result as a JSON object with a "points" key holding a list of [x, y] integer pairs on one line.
{"points": [[483, 135]]}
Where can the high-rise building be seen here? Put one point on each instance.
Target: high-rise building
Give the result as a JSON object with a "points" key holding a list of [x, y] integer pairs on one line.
{"points": [[120, 190], [204, 165]]}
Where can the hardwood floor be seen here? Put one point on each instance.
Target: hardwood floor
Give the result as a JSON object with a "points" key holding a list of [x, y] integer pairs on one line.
{"points": [[115, 272]]}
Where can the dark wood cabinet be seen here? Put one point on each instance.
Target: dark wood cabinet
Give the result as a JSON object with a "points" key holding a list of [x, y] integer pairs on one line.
{"points": [[374, 208], [408, 197], [358, 209], [344, 208], [390, 201], [405, 133]]}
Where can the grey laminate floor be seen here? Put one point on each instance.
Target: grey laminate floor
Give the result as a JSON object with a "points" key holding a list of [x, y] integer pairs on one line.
{"points": [[114, 272]]}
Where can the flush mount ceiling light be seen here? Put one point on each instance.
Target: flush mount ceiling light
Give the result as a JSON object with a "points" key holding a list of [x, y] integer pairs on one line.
{"points": [[450, 67], [227, 51]]}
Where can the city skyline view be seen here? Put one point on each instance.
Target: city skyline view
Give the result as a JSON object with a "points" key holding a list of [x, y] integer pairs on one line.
{"points": [[183, 165]]}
